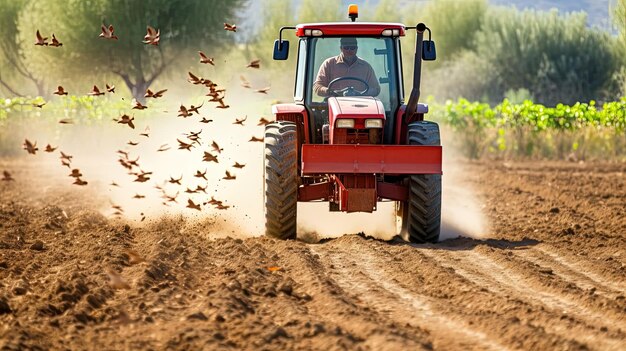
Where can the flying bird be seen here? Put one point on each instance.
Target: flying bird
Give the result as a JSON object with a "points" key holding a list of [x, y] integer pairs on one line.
{"points": [[7, 176], [263, 90], [49, 148], [191, 204], [216, 147], [175, 181], [263, 122], [110, 88], [199, 188], [240, 121], [80, 182], [146, 132], [60, 91], [194, 79], [75, 173], [201, 174], [183, 112], [132, 143], [158, 94], [230, 27], [170, 198], [239, 165], [193, 108], [184, 146], [256, 139], [229, 176], [138, 196], [152, 37], [39, 105], [213, 201], [65, 156], [208, 157], [204, 120], [30, 147], [222, 104], [55, 42], [41, 40], [95, 91], [254, 64], [107, 33], [137, 105], [126, 119], [163, 147], [244, 82], [66, 121], [205, 59]]}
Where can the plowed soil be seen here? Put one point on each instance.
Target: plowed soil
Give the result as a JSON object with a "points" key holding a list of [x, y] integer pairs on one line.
{"points": [[549, 275]]}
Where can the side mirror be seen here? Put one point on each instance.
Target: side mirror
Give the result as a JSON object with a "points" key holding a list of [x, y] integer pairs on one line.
{"points": [[281, 49], [428, 50]]}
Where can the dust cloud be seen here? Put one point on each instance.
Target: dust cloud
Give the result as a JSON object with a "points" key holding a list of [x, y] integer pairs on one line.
{"points": [[461, 209], [94, 150]]}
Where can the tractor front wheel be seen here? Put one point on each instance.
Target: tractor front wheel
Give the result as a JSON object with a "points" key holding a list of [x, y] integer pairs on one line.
{"points": [[421, 214], [281, 180]]}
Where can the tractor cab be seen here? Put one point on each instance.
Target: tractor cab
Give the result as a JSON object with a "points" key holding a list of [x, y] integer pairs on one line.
{"points": [[348, 138], [377, 52]]}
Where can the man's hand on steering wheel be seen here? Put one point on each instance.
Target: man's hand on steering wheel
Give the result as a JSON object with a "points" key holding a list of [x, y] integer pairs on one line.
{"points": [[348, 91]]}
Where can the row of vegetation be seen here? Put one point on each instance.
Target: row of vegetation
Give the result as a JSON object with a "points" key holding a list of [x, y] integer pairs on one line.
{"points": [[527, 130]]}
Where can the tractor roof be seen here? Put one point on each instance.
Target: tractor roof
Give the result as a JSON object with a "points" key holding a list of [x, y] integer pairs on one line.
{"points": [[349, 28]]}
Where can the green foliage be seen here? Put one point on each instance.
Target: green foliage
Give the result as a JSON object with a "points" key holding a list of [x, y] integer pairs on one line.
{"points": [[554, 56], [14, 69], [185, 26], [320, 11], [532, 130], [454, 25]]}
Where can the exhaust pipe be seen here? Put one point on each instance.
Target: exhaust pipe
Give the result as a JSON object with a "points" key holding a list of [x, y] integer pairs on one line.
{"points": [[411, 107]]}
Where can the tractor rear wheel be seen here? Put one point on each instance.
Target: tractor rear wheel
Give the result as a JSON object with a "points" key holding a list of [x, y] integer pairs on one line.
{"points": [[281, 180], [421, 214]]}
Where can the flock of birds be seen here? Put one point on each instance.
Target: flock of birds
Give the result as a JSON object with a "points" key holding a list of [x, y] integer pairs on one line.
{"points": [[190, 140]]}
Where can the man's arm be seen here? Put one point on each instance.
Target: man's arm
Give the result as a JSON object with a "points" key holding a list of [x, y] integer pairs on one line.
{"points": [[372, 81], [320, 86]]}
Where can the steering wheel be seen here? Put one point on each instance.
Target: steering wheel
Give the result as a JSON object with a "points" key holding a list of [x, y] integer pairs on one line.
{"points": [[348, 91]]}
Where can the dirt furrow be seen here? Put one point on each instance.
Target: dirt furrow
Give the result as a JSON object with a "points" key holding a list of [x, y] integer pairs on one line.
{"points": [[586, 269], [391, 299], [545, 310], [551, 261]]}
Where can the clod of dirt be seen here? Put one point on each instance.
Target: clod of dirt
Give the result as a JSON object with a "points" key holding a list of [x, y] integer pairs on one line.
{"points": [[20, 288], [4, 306], [279, 332], [37, 245], [555, 210], [286, 287], [198, 315]]}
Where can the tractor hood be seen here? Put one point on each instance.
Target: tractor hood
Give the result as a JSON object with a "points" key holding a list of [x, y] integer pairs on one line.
{"points": [[362, 107]]}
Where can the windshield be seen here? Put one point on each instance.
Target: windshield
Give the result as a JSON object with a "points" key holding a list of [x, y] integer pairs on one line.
{"points": [[372, 60]]}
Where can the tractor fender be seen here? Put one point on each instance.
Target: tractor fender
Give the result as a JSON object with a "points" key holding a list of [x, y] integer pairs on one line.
{"points": [[294, 113]]}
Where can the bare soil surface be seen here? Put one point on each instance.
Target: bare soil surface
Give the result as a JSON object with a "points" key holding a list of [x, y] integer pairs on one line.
{"points": [[550, 275]]}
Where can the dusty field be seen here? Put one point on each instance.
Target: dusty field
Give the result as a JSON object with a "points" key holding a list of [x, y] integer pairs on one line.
{"points": [[550, 276]]}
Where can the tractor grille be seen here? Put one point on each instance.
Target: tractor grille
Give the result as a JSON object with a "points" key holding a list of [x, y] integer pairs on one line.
{"points": [[357, 136]]}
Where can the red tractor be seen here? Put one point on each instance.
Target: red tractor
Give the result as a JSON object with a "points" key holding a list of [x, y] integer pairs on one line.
{"points": [[349, 148]]}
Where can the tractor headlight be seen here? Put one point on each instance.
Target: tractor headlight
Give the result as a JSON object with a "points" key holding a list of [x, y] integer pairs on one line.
{"points": [[374, 123], [345, 123]]}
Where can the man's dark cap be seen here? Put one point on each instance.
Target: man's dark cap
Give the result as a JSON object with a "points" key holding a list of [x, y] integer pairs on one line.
{"points": [[348, 41]]}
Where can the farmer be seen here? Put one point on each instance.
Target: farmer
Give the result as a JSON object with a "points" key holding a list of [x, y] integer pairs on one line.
{"points": [[346, 64]]}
